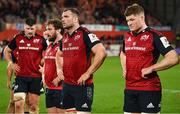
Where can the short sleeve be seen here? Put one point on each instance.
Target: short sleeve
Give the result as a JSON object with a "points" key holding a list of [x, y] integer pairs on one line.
{"points": [[122, 46], [60, 45], [12, 44], [90, 39], [162, 44], [44, 44]]}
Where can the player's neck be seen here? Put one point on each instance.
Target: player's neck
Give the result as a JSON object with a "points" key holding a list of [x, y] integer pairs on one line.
{"points": [[75, 27], [142, 28]]}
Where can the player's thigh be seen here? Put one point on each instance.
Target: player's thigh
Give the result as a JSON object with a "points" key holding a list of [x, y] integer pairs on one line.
{"points": [[35, 86], [33, 99], [20, 85], [131, 103], [53, 98], [150, 101], [84, 98], [67, 98]]}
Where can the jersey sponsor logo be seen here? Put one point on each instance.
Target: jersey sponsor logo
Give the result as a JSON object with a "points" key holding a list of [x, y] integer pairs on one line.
{"points": [[144, 37], [165, 42], [22, 41], [93, 37], [36, 40], [84, 105], [28, 48], [135, 48], [150, 105], [70, 48]]}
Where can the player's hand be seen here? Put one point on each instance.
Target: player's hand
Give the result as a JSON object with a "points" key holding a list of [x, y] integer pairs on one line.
{"points": [[60, 74], [15, 67], [9, 84], [146, 71], [41, 69], [56, 81], [83, 78]]}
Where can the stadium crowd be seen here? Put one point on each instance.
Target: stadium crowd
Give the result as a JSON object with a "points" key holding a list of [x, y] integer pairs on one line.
{"points": [[92, 11]]}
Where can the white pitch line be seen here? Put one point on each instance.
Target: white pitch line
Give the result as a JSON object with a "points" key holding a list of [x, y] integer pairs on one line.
{"points": [[171, 90]]}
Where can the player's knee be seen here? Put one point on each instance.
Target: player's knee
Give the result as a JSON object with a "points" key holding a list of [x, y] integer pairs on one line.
{"points": [[19, 99], [33, 108]]}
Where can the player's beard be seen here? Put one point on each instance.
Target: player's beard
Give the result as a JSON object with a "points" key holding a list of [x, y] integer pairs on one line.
{"points": [[52, 39]]}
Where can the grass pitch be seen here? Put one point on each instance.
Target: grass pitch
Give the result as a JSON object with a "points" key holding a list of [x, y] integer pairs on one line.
{"points": [[109, 87]]}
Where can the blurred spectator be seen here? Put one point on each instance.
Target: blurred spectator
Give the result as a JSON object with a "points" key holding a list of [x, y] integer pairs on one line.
{"points": [[92, 11]]}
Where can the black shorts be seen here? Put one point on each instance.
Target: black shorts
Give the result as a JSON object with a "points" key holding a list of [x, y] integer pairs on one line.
{"points": [[142, 101], [27, 84], [53, 98], [79, 97]]}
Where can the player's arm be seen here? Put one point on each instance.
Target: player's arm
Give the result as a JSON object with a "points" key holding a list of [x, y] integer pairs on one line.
{"points": [[9, 75], [99, 56], [7, 55], [123, 59], [59, 64], [123, 62], [170, 57]]}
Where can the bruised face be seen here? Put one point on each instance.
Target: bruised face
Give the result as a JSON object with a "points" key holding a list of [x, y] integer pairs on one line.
{"points": [[29, 30], [68, 19], [135, 22]]}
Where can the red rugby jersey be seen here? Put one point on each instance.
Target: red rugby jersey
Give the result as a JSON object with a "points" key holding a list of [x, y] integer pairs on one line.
{"points": [[50, 72], [77, 54], [29, 53], [143, 50]]}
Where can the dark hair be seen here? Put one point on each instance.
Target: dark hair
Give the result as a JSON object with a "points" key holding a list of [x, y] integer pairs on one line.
{"points": [[56, 23], [73, 10], [30, 21], [133, 9]]}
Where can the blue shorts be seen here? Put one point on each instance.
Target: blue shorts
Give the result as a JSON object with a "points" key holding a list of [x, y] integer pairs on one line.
{"points": [[28, 84], [142, 101], [53, 98], [79, 97]]}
